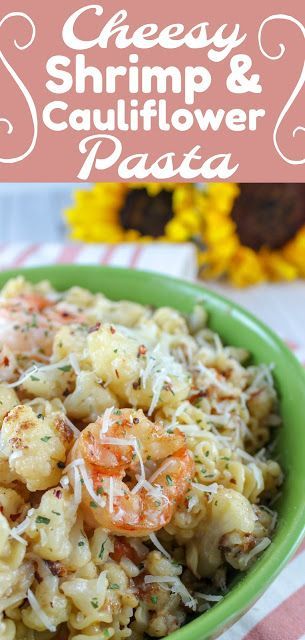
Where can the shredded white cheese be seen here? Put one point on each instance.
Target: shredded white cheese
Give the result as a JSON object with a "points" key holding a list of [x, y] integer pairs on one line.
{"points": [[211, 488], [72, 426], [36, 369], [16, 532], [74, 363], [162, 469], [111, 494], [106, 420], [261, 546], [176, 587], [64, 482], [208, 597], [46, 621], [158, 546], [77, 487], [15, 455], [89, 486]]}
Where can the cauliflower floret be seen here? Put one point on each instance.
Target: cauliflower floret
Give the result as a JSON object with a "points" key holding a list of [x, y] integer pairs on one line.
{"points": [[51, 524], [230, 511], [142, 377], [170, 321], [90, 398], [70, 339], [12, 505], [8, 400], [36, 447], [49, 383]]}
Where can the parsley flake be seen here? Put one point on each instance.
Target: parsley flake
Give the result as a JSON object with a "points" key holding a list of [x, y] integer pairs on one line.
{"points": [[94, 603], [66, 368], [42, 520]]}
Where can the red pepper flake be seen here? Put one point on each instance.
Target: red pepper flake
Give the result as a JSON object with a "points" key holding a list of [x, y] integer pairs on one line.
{"points": [[96, 327], [57, 493], [57, 569], [15, 516], [112, 330], [197, 396], [6, 361], [142, 351], [38, 577], [123, 549]]}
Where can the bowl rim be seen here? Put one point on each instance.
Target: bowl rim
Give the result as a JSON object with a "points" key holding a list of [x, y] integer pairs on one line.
{"points": [[223, 614]]}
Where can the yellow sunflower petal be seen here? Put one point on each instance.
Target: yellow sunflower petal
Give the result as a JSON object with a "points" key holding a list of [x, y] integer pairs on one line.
{"points": [[190, 219], [175, 231], [294, 252], [245, 268], [277, 268], [217, 227]]}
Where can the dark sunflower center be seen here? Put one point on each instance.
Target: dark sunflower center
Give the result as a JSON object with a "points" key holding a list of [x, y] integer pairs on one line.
{"points": [[147, 214], [269, 214]]}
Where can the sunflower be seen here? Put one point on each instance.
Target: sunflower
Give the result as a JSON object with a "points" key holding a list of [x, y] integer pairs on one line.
{"points": [[247, 234], [126, 212], [254, 232]]}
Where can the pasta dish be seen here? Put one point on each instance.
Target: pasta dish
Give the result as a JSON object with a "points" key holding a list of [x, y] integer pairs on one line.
{"points": [[136, 472]]}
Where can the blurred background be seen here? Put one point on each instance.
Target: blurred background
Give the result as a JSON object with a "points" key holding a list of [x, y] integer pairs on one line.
{"points": [[246, 241]]}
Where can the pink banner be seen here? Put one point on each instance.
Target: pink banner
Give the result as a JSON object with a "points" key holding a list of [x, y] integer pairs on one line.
{"points": [[121, 90]]}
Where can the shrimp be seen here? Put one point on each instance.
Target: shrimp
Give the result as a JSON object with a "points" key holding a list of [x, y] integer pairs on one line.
{"points": [[128, 503], [28, 323]]}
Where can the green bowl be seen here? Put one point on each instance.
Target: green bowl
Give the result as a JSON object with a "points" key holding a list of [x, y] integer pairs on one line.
{"points": [[239, 328]]}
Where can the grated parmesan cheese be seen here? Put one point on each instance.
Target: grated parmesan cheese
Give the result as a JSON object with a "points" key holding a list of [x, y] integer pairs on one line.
{"points": [[158, 546], [106, 420], [208, 597], [211, 488], [261, 546], [74, 363], [111, 494], [36, 369], [77, 487], [46, 621], [176, 587]]}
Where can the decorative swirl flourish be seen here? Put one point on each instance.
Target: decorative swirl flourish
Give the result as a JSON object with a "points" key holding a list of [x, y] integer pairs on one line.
{"points": [[297, 89], [22, 87]]}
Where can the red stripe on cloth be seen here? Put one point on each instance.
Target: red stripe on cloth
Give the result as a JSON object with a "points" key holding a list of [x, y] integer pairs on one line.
{"points": [[69, 253], [300, 550], [286, 622], [24, 255], [134, 260], [107, 255], [292, 345]]}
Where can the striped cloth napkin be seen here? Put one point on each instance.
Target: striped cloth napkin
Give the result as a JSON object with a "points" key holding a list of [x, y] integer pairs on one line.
{"points": [[172, 259], [280, 613]]}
